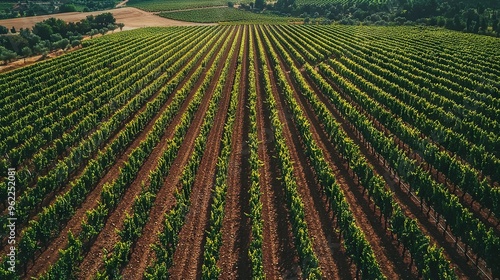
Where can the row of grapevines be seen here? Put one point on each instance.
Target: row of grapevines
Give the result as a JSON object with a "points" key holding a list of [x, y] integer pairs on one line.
{"points": [[175, 218], [213, 242], [460, 174], [255, 250], [429, 261], [57, 176], [355, 240], [111, 193], [309, 261], [460, 220], [134, 224], [51, 219]]}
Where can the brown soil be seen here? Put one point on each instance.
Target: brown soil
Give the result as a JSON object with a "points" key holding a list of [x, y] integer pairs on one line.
{"points": [[236, 228]]}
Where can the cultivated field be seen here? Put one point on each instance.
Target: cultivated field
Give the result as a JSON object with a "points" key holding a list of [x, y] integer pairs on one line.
{"points": [[229, 151], [208, 15], [132, 18]]}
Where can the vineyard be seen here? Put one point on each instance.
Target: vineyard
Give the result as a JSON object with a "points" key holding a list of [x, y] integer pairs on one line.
{"points": [[163, 5], [226, 15], [276, 151]]}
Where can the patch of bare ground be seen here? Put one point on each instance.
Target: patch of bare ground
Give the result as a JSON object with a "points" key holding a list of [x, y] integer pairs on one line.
{"points": [[280, 259], [409, 204], [188, 257], [49, 254], [236, 228], [142, 255], [319, 219]]}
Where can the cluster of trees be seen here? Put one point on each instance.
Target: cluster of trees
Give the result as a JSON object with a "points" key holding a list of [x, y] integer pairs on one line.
{"points": [[26, 8], [477, 16], [52, 34]]}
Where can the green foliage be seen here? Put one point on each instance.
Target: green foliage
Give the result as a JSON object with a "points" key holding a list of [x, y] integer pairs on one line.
{"points": [[226, 15], [161, 5]]}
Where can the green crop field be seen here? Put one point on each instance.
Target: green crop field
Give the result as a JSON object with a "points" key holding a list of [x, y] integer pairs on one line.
{"points": [[226, 15], [252, 151], [166, 5]]}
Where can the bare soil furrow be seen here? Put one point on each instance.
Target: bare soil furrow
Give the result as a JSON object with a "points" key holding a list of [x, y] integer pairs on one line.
{"points": [[236, 228]]}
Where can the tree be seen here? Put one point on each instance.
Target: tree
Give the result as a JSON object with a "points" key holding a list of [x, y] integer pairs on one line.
{"points": [[103, 30], [259, 4], [111, 27], [41, 48], [92, 32], [3, 29], [75, 43], [43, 30], [6, 55], [26, 51], [230, 4], [61, 44], [121, 25], [67, 8]]}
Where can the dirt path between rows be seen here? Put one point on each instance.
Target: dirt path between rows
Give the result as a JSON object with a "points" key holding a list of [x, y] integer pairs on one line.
{"points": [[188, 257], [236, 228], [280, 259]]}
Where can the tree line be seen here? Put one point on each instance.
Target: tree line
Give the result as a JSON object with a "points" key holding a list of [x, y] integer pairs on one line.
{"points": [[52, 34], [475, 16], [25, 8]]}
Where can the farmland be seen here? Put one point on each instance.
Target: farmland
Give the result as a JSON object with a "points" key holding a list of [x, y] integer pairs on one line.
{"points": [[281, 151], [210, 15], [160, 5]]}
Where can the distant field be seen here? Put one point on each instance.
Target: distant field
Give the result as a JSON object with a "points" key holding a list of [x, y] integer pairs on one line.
{"points": [[320, 2], [225, 15], [162, 5]]}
